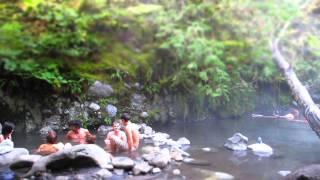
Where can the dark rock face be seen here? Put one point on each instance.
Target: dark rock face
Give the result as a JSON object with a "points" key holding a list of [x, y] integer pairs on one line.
{"points": [[311, 172]]}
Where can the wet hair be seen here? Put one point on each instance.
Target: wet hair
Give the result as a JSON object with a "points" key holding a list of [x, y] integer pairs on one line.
{"points": [[52, 137], [125, 117], [7, 128], [76, 123]]}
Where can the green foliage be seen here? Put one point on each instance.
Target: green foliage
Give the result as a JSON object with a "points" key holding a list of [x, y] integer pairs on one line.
{"points": [[108, 100], [216, 50], [43, 40], [107, 120]]}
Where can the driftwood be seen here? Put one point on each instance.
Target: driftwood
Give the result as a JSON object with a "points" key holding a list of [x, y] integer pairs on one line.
{"points": [[299, 92]]}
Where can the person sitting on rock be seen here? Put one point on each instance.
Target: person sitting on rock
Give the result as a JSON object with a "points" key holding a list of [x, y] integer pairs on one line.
{"points": [[77, 134], [6, 144], [116, 140], [132, 132], [52, 144]]}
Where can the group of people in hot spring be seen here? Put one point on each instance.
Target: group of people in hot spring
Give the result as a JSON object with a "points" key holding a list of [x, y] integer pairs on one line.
{"points": [[115, 141]]}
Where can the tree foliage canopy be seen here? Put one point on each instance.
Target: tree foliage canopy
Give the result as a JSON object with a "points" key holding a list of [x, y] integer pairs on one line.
{"points": [[216, 49]]}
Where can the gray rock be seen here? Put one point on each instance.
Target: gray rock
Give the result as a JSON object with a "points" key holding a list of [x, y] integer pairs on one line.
{"points": [[180, 151], [145, 129], [176, 156], [161, 159], [160, 138], [148, 157], [237, 142], [122, 162], [94, 106], [144, 114], [150, 149], [118, 172], [183, 141], [284, 173], [176, 172], [99, 89], [82, 155], [62, 178], [156, 170]]}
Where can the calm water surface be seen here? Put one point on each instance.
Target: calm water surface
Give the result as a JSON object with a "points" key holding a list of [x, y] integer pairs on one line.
{"points": [[295, 145]]}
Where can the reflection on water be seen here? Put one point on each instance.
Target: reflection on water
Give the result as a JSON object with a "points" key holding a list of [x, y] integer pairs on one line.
{"points": [[294, 144]]}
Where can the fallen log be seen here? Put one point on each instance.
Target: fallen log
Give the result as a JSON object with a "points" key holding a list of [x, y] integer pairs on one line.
{"points": [[278, 117], [299, 92]]}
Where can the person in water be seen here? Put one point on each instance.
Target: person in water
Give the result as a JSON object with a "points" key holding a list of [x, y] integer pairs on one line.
{"points": [[132, 132], [293, 115], [52, 144], [77, 134], [6, 143], [116, 140]]}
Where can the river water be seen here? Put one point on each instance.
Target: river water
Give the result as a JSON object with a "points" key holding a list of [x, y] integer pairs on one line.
{"points": [[295, 145]]}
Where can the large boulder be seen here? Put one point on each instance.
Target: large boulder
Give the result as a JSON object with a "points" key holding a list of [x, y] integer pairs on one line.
{"points": [[82, 155], [23, 163], [8, 158], [311, 172]]}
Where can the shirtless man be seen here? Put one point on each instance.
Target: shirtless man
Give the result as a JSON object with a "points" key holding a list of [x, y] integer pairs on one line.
{"points": [[76, 133], [116, 140], [52, 144], [133, 135]]}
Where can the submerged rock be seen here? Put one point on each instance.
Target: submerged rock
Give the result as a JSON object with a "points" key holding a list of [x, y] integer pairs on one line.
{"points": [[284, 173], [223, 176], [183, 141], [261, 149]]}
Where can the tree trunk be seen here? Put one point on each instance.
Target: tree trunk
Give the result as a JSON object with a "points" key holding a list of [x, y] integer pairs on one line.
{"points": [[299, 92]]}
